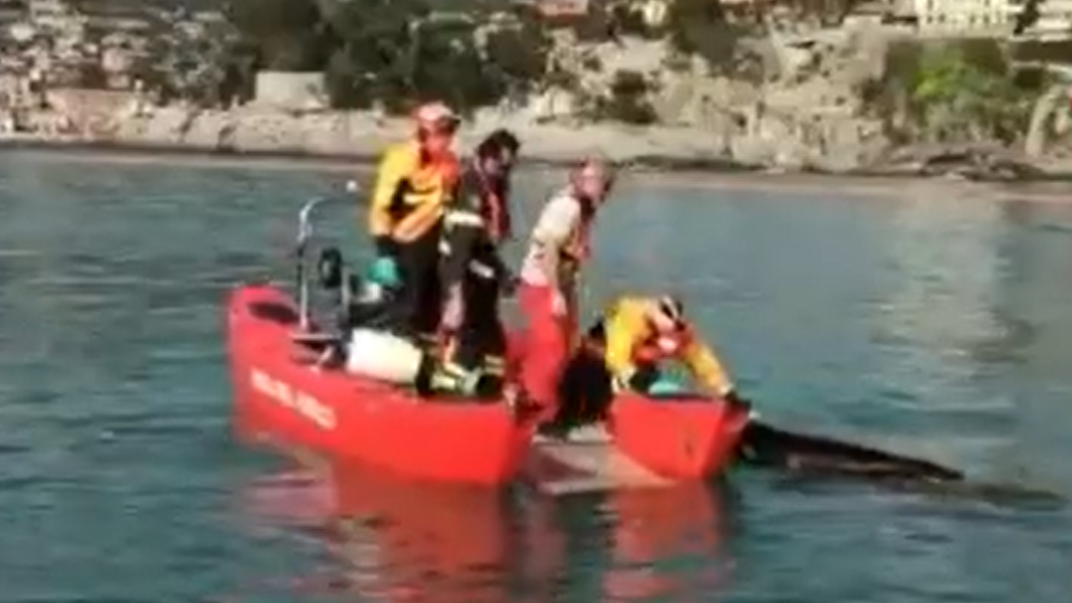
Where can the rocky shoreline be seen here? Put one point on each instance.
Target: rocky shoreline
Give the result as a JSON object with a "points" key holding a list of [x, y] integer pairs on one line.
{"points": [[807, 114], [351, 138], [1050, 186]]}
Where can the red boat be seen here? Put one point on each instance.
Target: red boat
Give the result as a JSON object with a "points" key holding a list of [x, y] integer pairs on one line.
{"points": [[280, 387]]}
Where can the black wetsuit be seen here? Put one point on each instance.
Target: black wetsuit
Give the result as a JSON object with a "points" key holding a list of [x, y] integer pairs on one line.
{"points": [[470, 260]]}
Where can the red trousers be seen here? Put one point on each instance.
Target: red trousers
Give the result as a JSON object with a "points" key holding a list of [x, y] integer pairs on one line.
{"points": [[547, 344]]}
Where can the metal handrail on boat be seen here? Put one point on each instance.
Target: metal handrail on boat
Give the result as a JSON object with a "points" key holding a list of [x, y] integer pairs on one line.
{"points": [[305, 232]]}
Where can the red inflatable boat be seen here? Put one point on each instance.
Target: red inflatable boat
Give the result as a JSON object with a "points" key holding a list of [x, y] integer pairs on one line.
{"points": [[280, 388]]}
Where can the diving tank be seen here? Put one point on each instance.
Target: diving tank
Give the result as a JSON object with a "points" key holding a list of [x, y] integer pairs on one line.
{"points": [[383, 357]]}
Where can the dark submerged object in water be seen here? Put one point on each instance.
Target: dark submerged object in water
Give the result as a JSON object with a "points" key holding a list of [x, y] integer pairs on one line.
{"points": [[767, 446], [763, 445]]}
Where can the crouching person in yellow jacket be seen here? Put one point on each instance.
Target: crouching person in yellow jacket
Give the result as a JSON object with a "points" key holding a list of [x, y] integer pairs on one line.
{"points": [[624, 351]]}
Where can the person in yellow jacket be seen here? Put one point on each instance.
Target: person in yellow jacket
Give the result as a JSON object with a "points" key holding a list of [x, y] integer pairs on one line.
{"points": [[626, 350], [415, 184]]}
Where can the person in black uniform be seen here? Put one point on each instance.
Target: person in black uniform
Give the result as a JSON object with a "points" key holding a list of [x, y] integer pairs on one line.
{"points": [[473, 274]]}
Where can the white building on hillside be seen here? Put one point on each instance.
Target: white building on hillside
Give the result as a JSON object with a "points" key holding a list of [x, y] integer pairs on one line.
{"points": [[995, 17], [1055, 20]]}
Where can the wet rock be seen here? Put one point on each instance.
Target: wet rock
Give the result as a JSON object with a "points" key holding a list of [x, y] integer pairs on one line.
{"points": [[981, 162]]}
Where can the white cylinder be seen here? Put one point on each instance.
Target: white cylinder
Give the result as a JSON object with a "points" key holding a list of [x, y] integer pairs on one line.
{"points": [[383, 356]]}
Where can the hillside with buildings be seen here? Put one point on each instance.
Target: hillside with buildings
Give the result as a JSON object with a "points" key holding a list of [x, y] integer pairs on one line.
{"points": [[812, 84]]}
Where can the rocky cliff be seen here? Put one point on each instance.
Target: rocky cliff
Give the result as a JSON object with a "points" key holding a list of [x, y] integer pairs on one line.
{"points": [[804, 111]]}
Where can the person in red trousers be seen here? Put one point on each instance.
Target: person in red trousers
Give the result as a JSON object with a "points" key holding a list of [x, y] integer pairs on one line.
{"points": [[558, 249]]}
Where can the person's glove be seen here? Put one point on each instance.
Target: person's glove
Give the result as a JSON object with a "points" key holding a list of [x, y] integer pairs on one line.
{"points": [[384, 272], [664, 387], [733, 399]]}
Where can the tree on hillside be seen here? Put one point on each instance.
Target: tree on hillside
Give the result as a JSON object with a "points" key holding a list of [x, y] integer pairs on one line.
{"points": [[399, 52], [700, 27], [289, 34], [691, 21], [1027, 17], [518, 54], [372, 61]]}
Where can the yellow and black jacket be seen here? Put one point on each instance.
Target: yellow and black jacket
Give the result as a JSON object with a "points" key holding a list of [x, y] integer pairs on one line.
{"points": [[411, 194], [632, 350]]}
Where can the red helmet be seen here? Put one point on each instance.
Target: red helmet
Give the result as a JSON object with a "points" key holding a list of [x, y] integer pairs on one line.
{"points": [[436, 117]]}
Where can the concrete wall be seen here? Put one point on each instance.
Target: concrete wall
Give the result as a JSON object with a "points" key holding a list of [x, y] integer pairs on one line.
{"points": [[291, 90]]}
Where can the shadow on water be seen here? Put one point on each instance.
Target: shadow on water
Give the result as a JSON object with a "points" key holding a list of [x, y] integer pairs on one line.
{"points": [[393, 540]]}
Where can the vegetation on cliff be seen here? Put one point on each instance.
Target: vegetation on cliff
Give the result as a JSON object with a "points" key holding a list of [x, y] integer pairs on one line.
{"points": [[477, 53], [395, 52], [700, 27], [209, 67], [955, 91]]}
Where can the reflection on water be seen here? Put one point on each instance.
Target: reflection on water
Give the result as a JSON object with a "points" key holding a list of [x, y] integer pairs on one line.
{"points": [[669, 544], [399, 541]]}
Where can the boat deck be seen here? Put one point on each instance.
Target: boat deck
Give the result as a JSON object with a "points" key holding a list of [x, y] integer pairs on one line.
{"points": [[586, 462]]}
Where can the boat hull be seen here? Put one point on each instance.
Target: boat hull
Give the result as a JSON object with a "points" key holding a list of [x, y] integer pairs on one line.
{"points": [[677, 439], [279, 389]]}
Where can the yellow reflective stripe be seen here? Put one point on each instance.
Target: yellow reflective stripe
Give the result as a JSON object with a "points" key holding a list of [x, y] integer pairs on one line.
{"points": [[417, 222]]}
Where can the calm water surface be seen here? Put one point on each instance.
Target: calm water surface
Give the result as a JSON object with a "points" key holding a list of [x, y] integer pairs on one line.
{"points": [[937, 326]]}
